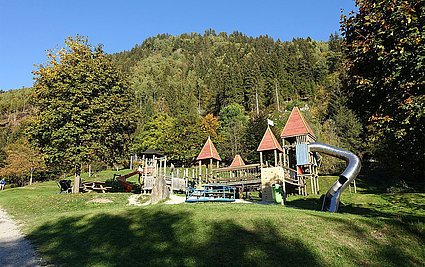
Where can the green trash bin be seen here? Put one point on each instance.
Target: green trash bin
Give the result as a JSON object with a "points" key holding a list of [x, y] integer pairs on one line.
{"points": [[277, 193]]}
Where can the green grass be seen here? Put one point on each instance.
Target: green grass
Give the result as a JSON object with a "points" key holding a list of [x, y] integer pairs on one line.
{"points": [[371, 229]]}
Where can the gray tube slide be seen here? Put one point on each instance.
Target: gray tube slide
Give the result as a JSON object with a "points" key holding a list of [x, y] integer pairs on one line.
{"points": [[332, 197]]}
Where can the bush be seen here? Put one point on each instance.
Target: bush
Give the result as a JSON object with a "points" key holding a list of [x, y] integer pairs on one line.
{"points": [[401, 187]]}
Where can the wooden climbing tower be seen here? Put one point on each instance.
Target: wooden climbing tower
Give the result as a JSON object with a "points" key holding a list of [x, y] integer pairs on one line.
{"points": [[270, 173], [296, 135], [207, 156]]}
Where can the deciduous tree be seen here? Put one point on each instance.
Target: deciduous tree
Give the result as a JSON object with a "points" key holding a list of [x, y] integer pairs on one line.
{"points": [[385, 61], [84, 106], [22, 161]]}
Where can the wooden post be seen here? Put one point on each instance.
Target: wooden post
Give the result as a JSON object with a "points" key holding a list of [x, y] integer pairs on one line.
{"points": [[311, 178], [154, 166], [261, 159], [172, 183], [131, 162], [318, 184], [158, 164], [355, 187], [211, 166], [200, 171], [280, 160], [165, 166], [275, 157]]}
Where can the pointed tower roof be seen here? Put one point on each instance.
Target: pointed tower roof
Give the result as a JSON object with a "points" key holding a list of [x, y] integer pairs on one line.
{"points": [[296, 125], [269, 142], [208, 151], [237, 161]]}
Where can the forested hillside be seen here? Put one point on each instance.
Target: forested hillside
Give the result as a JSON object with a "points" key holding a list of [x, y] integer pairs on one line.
{"points": [[179, 80], [218, 70]]}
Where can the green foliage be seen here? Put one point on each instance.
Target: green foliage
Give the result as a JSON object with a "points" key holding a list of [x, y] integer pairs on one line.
{"points": [[233, 122], [21, 160], [180, 84], [13, 102], [3, 157], [190, 75], [385, 58], [181, 138], [254, 132], [84, 106], [214, 71]]}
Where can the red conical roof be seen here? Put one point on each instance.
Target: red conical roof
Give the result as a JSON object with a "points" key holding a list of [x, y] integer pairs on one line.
{"points": [[269, 142], [237, 161], [296, 125], [209, 151]]}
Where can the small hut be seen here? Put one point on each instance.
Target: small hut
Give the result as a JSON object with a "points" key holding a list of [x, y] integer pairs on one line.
{"points": [[207, 156], [237, 161], [269, 145]]}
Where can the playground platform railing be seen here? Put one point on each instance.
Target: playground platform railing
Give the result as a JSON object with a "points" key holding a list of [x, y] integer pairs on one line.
{"points": [[206, 193]]}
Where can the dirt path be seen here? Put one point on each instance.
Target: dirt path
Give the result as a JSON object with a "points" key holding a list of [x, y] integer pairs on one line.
{"points": [[15, 250]]}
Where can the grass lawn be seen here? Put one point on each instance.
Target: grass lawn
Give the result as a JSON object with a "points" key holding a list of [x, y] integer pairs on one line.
{"points": [[76, 230]]}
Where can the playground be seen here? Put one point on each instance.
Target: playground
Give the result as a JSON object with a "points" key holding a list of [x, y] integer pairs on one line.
{"points": [[290, 168], [212, 225]]}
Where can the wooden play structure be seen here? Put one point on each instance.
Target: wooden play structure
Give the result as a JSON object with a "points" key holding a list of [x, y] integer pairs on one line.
{"points": [[300, 163], [291, 165], [290, 168]]}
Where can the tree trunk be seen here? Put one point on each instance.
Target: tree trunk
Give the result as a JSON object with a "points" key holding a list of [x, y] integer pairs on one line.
{"points": [[277, 99], [31, 177], [77, 179], [256, 101]]}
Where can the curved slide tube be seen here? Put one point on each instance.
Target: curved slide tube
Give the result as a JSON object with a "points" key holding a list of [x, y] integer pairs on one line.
{"points": [[332, 197]]}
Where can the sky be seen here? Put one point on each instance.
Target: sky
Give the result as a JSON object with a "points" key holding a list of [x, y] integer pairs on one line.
{"points": [[29, 27]]}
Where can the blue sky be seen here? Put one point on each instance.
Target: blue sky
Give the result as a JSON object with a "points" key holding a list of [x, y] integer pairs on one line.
{"points": [[28, 28]]}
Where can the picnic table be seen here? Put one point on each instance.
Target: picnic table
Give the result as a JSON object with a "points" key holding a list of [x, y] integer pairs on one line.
{"points": [[95, 186]]}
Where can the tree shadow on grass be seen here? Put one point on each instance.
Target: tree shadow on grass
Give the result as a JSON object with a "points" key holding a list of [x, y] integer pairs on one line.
{"points": [[389, 249], [399, 206], [158, 237]]}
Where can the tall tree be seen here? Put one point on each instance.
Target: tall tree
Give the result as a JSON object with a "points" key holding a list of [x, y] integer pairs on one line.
{"points": [[233, 123], [385, 62], [84, 107]]}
